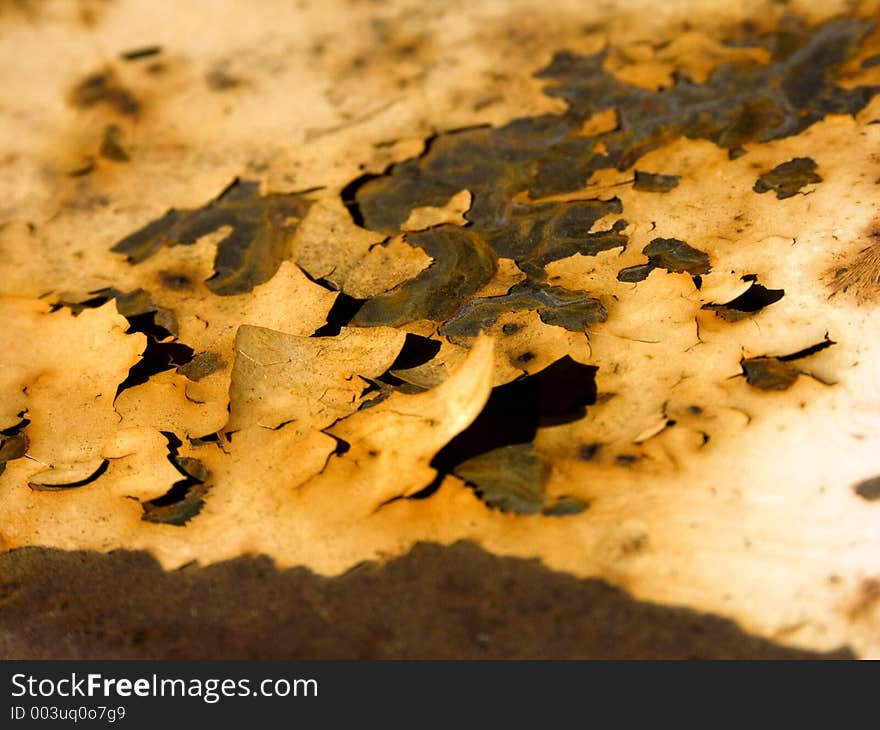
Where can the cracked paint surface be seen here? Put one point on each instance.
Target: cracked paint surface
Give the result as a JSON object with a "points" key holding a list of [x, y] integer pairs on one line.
{"points": [[610, 308]]}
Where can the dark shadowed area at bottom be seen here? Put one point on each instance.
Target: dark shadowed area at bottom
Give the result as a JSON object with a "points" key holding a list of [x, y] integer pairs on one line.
{"points": [[435, 602]]}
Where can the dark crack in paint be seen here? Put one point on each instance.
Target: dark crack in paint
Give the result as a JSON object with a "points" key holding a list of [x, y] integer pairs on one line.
{"points": [[670, 254], [201, 366], [462, 264], [162, 351], [650, 182], [770, 373], [159, 324], [186, 497], [104, 88], [868, 489], [747, 304], [136, 54], [13, 442], [780, 372], [136, 303], [512, 479], [788, 178], [509, 478], [112, 147], [91, 478], [261, 237], [573, 310], [496, 455]]}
